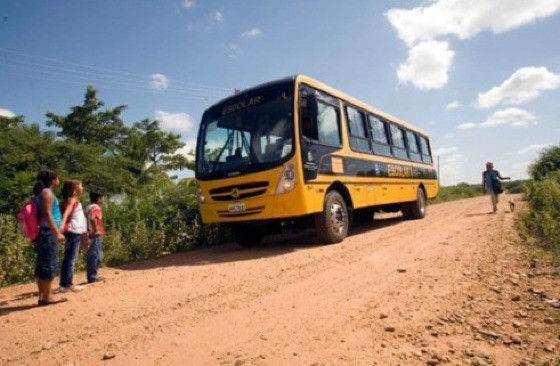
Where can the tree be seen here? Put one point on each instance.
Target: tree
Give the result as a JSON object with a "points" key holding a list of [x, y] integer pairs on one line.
{"points": [[25, 149], [548, 161], [9, 122], [154, 150], [87, 124]]}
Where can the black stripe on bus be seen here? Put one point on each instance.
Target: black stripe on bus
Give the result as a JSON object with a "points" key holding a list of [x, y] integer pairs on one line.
{"points": [[355, 167]]}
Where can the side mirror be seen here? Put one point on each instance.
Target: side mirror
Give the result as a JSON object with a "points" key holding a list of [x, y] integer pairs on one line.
{"points": [[310, 170]]}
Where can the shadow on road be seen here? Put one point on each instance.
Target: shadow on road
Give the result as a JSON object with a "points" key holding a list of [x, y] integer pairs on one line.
{"points": [[5, 310], [479, 214], [271, 246]]}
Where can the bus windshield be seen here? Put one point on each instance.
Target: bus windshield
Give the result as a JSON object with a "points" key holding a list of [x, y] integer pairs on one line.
{"points": [[247, 133]]}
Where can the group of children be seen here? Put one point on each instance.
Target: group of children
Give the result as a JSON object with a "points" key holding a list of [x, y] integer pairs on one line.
{"points": [[66, 222]]}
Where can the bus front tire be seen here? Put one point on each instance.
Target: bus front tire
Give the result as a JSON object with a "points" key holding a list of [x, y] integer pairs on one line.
{"points": [[332, 222], [416, 209]]}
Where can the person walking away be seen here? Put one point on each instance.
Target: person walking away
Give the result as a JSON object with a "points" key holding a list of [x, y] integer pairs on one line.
{"points": [[75, 227], [491, 184], [50, 235], [95, 231]]}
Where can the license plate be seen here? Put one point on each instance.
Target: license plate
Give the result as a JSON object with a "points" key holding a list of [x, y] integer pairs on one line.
{"points": [[237, 207]]}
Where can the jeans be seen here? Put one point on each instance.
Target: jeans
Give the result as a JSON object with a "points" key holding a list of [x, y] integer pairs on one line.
{"points": [[94, 256], [70, 254], [46, 246]]}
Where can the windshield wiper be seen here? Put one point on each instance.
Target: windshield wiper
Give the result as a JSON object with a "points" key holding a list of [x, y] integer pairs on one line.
{"points": [[249, 149], [217, 160]]}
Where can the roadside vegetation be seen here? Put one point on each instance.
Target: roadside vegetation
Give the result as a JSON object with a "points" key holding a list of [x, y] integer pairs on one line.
{"points": [[539, 227], [465, 190]]}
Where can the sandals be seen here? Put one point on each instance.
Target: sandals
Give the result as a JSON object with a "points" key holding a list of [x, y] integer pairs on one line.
{"points": [[42, 302]]}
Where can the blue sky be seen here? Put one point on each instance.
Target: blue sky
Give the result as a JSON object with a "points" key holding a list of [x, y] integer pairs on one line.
{"points": [[482, 77]]}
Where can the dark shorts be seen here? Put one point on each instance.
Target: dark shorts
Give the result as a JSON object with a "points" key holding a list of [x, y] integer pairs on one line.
{"points": [[47, 255]]}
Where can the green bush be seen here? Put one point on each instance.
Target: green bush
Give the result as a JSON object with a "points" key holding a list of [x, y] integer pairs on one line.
{"points": [[17, 255], [542, 221], [461, 190], [547, 162], [515, 186], [151, 223]]}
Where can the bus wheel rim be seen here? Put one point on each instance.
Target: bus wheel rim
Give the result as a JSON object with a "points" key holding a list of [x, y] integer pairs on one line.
{"points": [[338, 217]]}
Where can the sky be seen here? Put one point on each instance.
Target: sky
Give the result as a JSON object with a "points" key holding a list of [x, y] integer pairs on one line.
{"points": [[482, 77]]}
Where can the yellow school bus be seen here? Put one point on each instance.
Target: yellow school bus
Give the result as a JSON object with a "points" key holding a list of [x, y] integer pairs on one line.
{"points": [[296, 151]]}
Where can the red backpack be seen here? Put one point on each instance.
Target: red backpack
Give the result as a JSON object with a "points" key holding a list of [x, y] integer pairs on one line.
{"points": [[29, 219]]}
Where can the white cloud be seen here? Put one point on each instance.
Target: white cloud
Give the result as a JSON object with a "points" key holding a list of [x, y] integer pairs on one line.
{"points": [[253, 33], [466, 126], [461, 18], [7, 113], [174, 121], [451, 159], [159, 81], [450, 167], [534, 147], [189, 4], [232, 50], [523, 85], [465, 19], [453, 105], [445, 150], [427, 65], [514, 117], [188, 149], [217, 17], [522, 165]]}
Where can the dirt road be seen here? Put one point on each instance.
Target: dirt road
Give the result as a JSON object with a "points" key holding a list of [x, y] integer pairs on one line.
{"points": [[449, 289]]}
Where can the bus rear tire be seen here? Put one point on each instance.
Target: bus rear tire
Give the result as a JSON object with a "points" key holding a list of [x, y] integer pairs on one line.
{"points": [[247, 236], [416, 210], [332, 222]]}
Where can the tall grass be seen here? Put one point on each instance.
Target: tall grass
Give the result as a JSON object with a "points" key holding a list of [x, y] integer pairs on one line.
{"points": [[541, 224]]}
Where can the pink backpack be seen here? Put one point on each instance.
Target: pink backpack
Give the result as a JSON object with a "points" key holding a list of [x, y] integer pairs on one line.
{"points": [[28, 219]]}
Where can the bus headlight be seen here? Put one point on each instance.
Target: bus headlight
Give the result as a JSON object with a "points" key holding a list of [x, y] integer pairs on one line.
{"points": [[287, 181], [199, 195]]}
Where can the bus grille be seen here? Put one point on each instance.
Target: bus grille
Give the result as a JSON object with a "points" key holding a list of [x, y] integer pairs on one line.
{"points": [[238, 191]]}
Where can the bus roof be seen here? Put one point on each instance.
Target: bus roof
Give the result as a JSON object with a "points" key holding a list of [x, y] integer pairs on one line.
{"points": [[300, 78]]}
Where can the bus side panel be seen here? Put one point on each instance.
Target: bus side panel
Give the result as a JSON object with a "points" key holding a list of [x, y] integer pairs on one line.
{"points": [[431, 189]]}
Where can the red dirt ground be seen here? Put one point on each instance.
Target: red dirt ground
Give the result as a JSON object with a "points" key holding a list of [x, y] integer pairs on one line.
{"points": [[452, 289]]}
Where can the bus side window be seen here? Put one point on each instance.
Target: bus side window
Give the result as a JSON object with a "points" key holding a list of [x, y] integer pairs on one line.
{"points": [[358, 137], [378, 133], [397, 139], [412, 143], [425, 147], [328, 124]]}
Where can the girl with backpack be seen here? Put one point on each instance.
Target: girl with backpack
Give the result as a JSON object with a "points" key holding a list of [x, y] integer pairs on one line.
{"points": [[50, 235], [75, 230]]}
